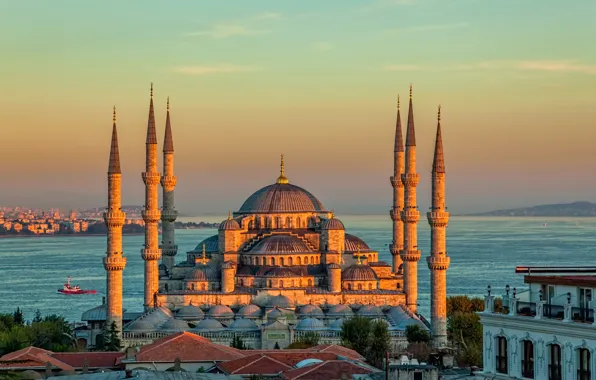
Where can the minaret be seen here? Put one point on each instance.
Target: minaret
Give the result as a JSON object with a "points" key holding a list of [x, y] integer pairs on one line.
{"points": [[398, 194], [410, 216], [438, 261], [114, 262], [151, 214], [168, 183]]}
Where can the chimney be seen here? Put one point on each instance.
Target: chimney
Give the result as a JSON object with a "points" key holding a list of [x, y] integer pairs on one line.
{"points": [[177, 366], [48, 369], [85, 368]]}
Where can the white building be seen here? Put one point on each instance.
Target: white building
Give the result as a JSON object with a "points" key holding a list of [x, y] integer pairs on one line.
{"points": [[545, 332]]}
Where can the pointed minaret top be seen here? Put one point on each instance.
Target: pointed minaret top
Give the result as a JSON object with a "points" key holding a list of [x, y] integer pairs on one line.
{"points": [[399, 140], [168, 142], [438, 160], [151, 134], [411, 133], [114, 166], [282, 175], [229, 214]]}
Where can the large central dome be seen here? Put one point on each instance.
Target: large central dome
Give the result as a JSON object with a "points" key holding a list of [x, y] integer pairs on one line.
{"points": [[281, 197]]}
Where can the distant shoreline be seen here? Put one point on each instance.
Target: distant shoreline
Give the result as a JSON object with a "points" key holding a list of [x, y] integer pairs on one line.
{"points": [[86, 235]]}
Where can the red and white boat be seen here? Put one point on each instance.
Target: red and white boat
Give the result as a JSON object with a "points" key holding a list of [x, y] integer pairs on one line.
{"points": [[74, 289]]}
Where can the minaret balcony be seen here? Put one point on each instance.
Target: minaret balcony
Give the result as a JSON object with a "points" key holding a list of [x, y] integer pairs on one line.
{"points": [[438, 218], [395, 214], [395, 249], [410, 179], [410, 216], [151, 178], [169, 250], [168, 182], [113, 263], [438, 261], [114, 218], [151, 216], [150, 254], [169, 215], [410, 255], [396, 182]]}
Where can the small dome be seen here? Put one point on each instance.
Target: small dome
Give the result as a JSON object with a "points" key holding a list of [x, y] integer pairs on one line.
{"points": [[202, 272], [370, 311], [359, 272], [250, 311], [281, 244], [311, 311], [280, 301], [175, 325], [197, 274], [209, 324], [229, 225], [274, 314], [334, 266], [244, 324], [280, 272], [220, 311], [310, 324], [337, 324], [341, 311], [140, 324], [333, 224], [190, 311]]}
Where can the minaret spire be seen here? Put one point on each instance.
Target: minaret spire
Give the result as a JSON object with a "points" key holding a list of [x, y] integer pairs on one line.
{"points": [[151, 214], [438, 261], [169, 249], [410, 215], [114, 262], [398, 194], [282, 175]]}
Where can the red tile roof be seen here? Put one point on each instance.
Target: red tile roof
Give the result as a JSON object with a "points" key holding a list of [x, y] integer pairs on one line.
{"points": [[338, 350], [187, 347], [94, 359], [32, 357], [270, 363], [329, 370]]}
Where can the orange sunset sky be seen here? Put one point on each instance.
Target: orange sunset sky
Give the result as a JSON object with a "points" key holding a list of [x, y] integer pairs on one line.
{"points": [[313, 80]]}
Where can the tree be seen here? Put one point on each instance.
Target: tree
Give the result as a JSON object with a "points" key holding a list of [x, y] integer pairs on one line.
{"points": [[309, 339], [238, 343], [17, 317], [464, 327], [37, 317], [416, 334], [113, 342], [355, 334], [379, 343]]}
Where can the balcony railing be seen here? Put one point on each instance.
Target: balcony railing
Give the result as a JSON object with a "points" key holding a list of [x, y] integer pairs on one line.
{"points": [[549, 311]]}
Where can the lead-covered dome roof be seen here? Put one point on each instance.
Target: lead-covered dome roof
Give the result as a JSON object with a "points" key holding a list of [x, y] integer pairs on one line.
{"points": [[281, 197], [281, 244], [333, 224], [359, 272]]}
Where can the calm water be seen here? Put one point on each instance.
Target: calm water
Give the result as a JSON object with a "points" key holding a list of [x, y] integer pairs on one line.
{"points": [[483, 251]]}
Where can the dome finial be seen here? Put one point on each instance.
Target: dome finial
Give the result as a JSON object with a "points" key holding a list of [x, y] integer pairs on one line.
{"points": [[358, 253], [282, 178], [229, 214], [332, 214], [204, 255]]}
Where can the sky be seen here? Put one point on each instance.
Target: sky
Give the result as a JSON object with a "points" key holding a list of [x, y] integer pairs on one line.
{"points": [[314, 80]]}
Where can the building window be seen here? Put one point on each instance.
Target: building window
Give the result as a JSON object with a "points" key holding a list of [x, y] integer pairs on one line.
{"points": [[290, 261], [583, 366], [359, 286], [309, 282], [554, 362], [528, 359], [501, 366], [273, 261], [370, 286], [349, 286]]}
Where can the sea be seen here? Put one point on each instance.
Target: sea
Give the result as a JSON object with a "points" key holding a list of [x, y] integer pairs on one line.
{"points": [[484, 251]]}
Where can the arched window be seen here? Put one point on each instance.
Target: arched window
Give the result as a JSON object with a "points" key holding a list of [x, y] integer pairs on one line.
{"points": [[290, 261], [584, 363], [370, 258], [192, 286], [203, 287], [281, 261], [278, 223], [298, 261], [298, 222], [270, 284], [359, 286], [288, 222], [527, 359], [309, 282], [312, 260], [370, 286], [241, 282], [305, 260], [273, 261], [281, 283], [554, 362], [349, 286], [166, 287], [502, 354]]}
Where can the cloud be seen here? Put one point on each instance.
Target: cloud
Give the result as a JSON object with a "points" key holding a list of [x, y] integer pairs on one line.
{"points": [[560, 66], [426, 28], [220, 31], [214, 69], [321, 46], [268, 16]]}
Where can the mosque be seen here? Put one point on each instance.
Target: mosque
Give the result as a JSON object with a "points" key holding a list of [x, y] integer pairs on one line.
{"points": [[280, 266]]}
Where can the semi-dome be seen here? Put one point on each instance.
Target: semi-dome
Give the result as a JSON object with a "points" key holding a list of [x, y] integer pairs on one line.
{"points": [[211, 245], [250, 311], [333, 224], [311, 311], [281, 197], [310, 324], [354, 243], [280, 272], [244, 324], [274, 314], [280, 301], [203, 273], [281, 244], [340, 311], [220, 311], [190, 311], [209, 324], [175, 325], [359, 272], [370, 311]]}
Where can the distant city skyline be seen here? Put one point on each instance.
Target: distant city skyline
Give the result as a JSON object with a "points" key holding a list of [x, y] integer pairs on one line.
{"points": [[309, 79]]}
